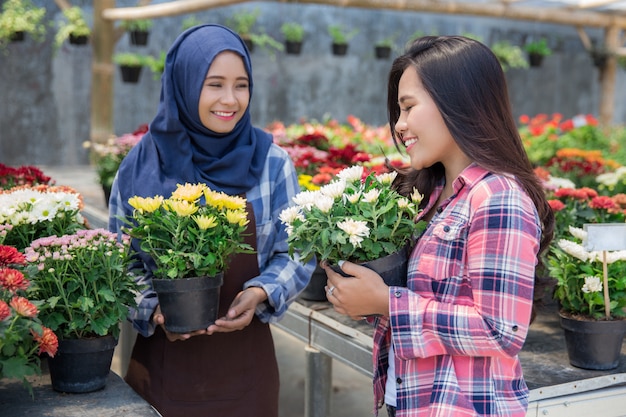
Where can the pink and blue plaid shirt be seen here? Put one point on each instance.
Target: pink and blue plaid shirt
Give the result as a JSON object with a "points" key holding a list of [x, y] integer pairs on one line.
{"points": [[459, 326]]}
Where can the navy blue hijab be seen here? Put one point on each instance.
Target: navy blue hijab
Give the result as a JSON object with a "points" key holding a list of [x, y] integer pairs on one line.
{"points": [[177, 148]]}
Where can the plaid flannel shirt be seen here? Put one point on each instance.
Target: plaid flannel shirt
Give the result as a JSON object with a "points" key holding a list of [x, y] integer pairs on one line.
{"points": [[281, 277], [458, 327]]}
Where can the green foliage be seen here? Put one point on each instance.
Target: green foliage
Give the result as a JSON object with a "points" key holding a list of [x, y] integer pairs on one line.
{"points": [[139, 25], [157, 65], [84, 280], [509, 56], [74, 24], [293, 32], [188, 239], [243, 21], [21, 16], [340, 35], [539, 47], [351, 219], [190, 22], [389, 41], [131, 59]]}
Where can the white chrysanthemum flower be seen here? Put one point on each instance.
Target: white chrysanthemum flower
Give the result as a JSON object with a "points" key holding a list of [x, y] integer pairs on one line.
{"points": [[43, 212], [324, 203], [351, 174], [592, 284], [554, 183], [353, 198], [403, 203], [416, 197], [356, 230], [371, 196], [578, 233], [334, 189], [387, 177], [574, 249], [615, 256], [69, 201], [290, 214], [306, 199]]}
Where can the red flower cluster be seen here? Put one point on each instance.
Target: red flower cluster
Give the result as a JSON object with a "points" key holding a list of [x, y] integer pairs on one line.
{"points": [[22, 336], [24, 175]]}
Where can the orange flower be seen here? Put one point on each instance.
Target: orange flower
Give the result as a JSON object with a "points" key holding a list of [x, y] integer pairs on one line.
{"points": [[48, 341], [556, 205], [23, 307], [12, 280], [4, 310], [602, 202]]}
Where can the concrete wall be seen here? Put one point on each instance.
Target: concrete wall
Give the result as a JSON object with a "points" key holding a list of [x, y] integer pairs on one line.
{"points": [[45, 94]]}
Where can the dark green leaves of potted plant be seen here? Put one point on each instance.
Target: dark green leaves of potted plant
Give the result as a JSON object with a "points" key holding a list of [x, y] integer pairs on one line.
{"points": [[340, 38], [382, 48], [73, 28], [294, 35], [130, 65], [242, 22], [537, 50], [19, 17], [138, 30]]}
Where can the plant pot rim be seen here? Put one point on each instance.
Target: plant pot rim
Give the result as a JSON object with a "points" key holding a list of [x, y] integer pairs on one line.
{"points": [[568, 315]]}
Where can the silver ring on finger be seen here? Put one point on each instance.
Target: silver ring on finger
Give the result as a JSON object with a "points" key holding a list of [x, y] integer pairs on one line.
{"points": [[330, 290]]}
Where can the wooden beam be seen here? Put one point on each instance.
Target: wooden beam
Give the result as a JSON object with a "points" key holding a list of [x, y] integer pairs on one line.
{"points": [[608, 75], [171, 8]]}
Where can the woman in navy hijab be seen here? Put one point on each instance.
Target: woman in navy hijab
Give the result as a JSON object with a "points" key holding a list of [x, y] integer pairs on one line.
{"points": [[202, 133]]}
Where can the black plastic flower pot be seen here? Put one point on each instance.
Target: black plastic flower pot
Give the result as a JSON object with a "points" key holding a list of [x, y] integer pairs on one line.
{"points": [[189, 304], [138, 37], [392, 268]]}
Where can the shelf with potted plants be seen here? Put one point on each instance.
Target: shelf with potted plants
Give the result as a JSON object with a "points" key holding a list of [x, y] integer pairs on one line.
{"points": [[20, 17], [583, 170], [294, 36], [340, 37], [73, 27], [537, 50]]}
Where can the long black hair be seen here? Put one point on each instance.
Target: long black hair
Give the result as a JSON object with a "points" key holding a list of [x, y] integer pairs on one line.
{"points": [[467, 84]]}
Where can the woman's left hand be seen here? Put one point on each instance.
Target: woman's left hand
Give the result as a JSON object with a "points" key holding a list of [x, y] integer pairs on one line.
{"points": [[241, 311], [362, 294]]}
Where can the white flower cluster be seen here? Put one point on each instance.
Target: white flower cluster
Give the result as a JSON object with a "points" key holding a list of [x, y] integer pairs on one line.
{"points": [[578, 251], [28, 206], [592, 284], [611, 179]]}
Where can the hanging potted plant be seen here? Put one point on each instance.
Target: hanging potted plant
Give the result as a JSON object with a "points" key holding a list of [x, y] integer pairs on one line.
{"points": [[138, 30], [537, 50], [383, 47], [190, 243], [130, 65], [362, 220], [19, 17], [340, 39], [509, 56], [86, 289], [591, 303], [242, 23], [73, 27], [294, 35]]}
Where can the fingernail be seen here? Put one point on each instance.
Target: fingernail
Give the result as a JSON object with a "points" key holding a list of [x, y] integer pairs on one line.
{"points": [[340, 263]]}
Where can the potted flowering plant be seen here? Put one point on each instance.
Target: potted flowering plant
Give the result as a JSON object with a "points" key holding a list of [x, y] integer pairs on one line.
{"points": [[108, 156], [190, 243], [24, 175], [22, 336], [352, 218], [27, 213], [74, 28], [19, 17], [86, 287]]}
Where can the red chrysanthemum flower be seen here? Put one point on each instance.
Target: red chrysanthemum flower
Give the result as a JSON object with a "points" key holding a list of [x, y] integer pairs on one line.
{"points": [[23, 307], [5, 311], [10, 256], [13, 280], [556, 205], [48, 341], [602, 202]]}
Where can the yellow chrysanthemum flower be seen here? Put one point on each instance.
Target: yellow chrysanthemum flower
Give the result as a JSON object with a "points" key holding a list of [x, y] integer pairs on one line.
{"points": [[188, 192], [214, 198], [182, 208], [234, 202], [237, 217], [146, 204], [205, 222]]}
